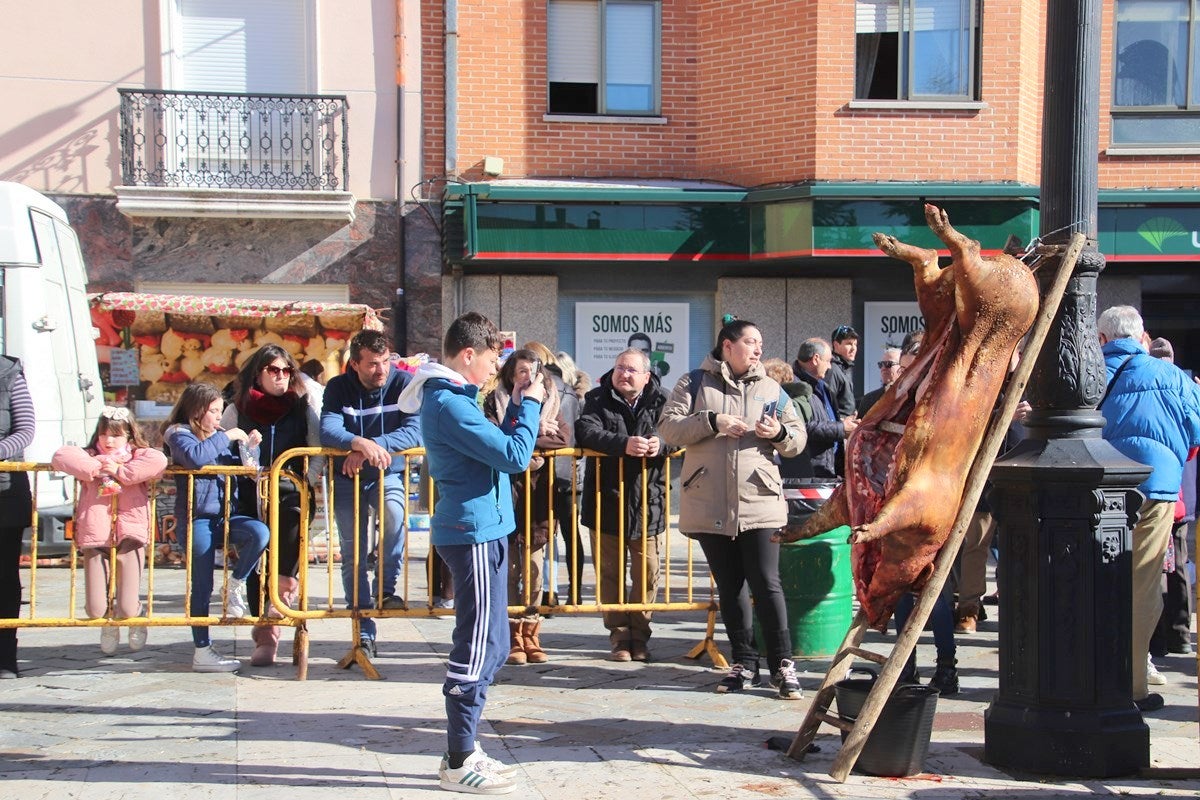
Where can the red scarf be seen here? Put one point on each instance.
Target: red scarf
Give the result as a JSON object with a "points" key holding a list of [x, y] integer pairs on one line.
{"points": [[267, 409]]}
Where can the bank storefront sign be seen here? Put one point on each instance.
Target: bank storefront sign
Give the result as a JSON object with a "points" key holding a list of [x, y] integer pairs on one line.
{"points": [[1150, 233]]}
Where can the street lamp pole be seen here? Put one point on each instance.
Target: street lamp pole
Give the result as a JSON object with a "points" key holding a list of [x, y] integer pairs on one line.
{"points": [[1065, 498]]}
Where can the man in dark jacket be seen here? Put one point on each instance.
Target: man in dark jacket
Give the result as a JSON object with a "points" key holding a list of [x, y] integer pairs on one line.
{"points": [[825, 431], [359, 413], [844, 344], [620, 419]]}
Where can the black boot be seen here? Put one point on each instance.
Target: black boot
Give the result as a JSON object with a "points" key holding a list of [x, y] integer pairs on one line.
{"points": [[945, 678], [909, 674]]}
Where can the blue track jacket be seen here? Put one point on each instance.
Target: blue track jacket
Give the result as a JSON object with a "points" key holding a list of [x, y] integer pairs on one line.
{"points": [[469, 458]]}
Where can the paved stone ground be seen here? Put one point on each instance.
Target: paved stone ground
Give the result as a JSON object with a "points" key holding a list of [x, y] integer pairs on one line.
{"points": [[142, 725]]}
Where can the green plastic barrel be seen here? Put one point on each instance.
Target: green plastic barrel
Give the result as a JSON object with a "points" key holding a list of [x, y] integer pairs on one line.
{"points": [[819, 591]]}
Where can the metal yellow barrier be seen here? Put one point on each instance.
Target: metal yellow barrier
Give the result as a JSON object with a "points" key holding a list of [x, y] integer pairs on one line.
{"points": [[681, 589]]}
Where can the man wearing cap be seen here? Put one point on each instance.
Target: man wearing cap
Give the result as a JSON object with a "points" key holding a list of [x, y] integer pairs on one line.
{"points": [[1151, 415], [841, 373]]}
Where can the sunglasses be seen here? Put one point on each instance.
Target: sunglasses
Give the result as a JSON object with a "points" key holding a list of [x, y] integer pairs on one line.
{"points": [[277, 372], [887, 364]]}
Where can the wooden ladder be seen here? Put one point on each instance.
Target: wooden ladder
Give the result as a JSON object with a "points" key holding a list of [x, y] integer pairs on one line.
{"points": [[893, 662]]}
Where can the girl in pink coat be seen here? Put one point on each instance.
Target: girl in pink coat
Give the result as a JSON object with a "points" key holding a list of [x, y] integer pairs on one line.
{"points": [[115, 472]]}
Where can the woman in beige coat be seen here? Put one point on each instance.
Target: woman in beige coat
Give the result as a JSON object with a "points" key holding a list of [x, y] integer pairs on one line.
{"points": [[733, 419]]}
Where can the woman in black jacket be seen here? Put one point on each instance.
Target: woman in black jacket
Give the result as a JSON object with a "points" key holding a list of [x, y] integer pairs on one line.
{"points": [[272, 399]]}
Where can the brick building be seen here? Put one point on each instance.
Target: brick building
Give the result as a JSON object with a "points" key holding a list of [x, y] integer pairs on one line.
{"points": [[586, 170], [733, 156]]}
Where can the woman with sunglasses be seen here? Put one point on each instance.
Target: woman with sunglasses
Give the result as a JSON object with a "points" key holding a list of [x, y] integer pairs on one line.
{"points": [[270, 397]]}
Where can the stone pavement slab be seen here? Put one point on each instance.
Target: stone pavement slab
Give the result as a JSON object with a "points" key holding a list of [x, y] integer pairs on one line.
{"points": [[142, 725]]}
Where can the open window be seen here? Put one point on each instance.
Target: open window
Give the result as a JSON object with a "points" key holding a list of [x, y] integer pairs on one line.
{"points": [[917, 50]]}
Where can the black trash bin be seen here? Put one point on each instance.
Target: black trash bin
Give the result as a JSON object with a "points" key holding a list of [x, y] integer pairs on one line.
{"points": [[899, 742]]}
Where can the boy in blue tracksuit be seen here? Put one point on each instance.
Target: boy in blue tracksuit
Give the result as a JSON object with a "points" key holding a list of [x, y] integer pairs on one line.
{"points": [[360, 413], [470, 460]]}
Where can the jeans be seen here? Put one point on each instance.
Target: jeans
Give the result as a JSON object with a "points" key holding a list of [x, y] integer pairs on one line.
{"points": [[248, 534], [391, 551], [941, 619]]}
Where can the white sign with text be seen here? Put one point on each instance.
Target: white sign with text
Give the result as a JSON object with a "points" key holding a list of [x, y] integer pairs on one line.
{"points": [[884, 323], [604, 330]]}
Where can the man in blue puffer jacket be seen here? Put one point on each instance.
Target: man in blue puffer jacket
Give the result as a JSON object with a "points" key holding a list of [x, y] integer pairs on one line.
{"points": [[470, 460], [359, 413], [1152, 415]]}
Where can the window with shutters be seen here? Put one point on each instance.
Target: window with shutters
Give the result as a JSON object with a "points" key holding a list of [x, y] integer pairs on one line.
{"points": [[917, 50], [262, 51], [1156, 75], [604, 56]]}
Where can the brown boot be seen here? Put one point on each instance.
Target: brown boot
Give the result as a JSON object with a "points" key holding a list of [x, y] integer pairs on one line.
{"points": [[266, 645], [966, 618], [533, 648], [516, 653]]}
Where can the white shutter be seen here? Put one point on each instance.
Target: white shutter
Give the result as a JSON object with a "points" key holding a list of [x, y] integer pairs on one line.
{"points": [[574, 41], [877, 16], [258, 47]]}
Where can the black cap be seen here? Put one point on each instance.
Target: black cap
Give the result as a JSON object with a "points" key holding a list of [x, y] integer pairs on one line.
{"points": [[843, 332]]}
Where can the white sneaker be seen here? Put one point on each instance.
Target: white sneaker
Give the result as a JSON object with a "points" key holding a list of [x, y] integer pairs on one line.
{"points": [[1153, 676], [110, 637], [495, 765], [137, 637], [475, 777], [206, 659], [236, 607]]}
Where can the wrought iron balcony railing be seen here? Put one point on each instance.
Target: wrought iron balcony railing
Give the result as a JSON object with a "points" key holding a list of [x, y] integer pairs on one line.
{"points": [[219, 140]]}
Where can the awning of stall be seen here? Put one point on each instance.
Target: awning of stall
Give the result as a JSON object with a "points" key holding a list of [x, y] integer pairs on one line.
{"points": [[350, 316]]}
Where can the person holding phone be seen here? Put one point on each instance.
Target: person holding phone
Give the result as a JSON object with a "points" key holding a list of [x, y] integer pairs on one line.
{"points": [[733, 423], [528, 542]]}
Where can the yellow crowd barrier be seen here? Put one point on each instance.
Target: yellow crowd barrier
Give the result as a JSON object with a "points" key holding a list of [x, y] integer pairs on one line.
{"points": [[684, 585]]}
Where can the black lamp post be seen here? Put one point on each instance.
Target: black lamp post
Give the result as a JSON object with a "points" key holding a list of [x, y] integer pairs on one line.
{"points": [[1065, 498]]}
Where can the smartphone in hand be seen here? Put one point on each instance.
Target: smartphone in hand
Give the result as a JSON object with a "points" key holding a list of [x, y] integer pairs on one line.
{"points": [[769, 409]]}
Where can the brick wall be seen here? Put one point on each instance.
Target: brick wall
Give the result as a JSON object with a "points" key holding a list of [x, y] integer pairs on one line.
{"points": [[756, 91]]}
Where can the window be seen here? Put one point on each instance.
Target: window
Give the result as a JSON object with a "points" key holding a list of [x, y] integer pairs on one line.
{"points": [[916, 50], [603, 56], [1156, 91]]}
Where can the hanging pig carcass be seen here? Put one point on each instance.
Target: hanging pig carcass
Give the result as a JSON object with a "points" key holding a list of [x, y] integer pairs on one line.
{"points": [[907, 463]]}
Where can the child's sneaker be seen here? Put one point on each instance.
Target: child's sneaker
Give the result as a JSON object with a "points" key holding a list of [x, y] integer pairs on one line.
{"points": [[475, 777], [739, 679], [137, 637], [786, 682], [110, 637], [206, 659]]}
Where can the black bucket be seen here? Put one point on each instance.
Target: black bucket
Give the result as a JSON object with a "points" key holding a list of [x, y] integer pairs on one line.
{"points": [[899, 741]]}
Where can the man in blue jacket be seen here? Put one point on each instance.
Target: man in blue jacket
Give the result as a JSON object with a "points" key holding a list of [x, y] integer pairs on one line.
{"points": [[1151, 415], [359, 413], [470, 460]]}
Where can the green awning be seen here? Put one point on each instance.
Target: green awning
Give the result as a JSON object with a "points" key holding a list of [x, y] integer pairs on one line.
{"points": [[487, 223]]}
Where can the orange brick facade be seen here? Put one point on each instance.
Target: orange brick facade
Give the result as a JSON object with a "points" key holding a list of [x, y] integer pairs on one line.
{"points": [[753, 92]]}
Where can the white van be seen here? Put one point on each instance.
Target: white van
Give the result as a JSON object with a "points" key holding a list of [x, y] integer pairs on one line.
{"points": [[44, 321]]}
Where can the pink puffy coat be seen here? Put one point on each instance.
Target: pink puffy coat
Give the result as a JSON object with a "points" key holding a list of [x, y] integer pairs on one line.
{"points": [[93, 514]]}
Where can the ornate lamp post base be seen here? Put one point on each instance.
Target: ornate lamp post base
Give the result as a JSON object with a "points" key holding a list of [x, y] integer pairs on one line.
{"points": [[1064, 707]]}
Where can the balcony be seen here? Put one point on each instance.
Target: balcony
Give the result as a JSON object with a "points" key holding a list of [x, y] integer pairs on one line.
{"points": [[188, 154]]}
